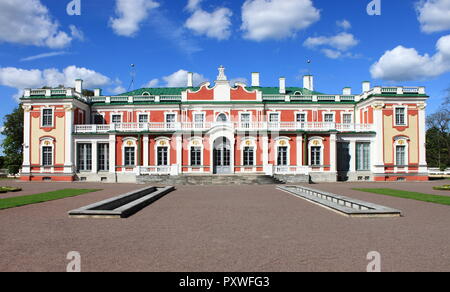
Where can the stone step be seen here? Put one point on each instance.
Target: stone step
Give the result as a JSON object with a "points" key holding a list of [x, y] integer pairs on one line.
{"points": [[210, 180]]}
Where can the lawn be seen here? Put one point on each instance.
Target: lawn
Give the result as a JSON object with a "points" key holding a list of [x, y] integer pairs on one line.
{"points": [[40, 198], [443, 200]]}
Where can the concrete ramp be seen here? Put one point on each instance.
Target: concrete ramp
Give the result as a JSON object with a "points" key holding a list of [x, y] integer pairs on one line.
{"points": [[122, 206]]}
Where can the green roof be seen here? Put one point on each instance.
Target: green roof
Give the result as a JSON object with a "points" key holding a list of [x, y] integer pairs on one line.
{"points": [[178, 90]]}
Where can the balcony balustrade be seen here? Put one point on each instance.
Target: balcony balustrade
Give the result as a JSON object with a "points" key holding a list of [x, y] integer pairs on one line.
{"points": [[237, 126]]}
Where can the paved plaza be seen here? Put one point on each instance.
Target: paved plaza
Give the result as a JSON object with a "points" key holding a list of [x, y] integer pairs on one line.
{"points": [[225, 228]]}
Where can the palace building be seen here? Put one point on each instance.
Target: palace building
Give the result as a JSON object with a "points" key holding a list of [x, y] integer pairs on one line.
{"points": [[225, 129]]}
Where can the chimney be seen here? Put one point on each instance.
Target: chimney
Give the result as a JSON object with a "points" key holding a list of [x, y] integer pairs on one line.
{"points": [[97, 92], [308, 82], [365, 86], [347, 91], [190, 81], [255, 79], [79, 85], [282, 85]]}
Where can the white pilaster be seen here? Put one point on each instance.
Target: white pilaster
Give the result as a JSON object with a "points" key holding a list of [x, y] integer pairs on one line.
{"points": [[265, 154], [112, 153], [145, 149], [422, 140], [179, 140], [299, 150], [378, 161], [94, 157], [27, 140], [333, 158], [68, 160], [352, 150]]}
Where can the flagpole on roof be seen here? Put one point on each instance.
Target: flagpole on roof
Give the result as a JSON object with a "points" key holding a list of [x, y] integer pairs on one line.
{"points": [[133, 76]]}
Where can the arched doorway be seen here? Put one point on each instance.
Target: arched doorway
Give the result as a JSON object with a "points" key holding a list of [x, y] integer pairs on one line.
{"points": [[222, 156]]}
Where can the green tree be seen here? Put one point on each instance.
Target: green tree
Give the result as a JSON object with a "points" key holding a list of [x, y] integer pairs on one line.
{"points": [[438, 136], [13, 141]]}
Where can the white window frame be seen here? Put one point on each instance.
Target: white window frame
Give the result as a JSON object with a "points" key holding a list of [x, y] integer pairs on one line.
{"points": [[329, 113], [349, 114], [253, 145], [194, 122], [405, 108], [116, 114], [200, 145], [288, 145], [406, 145], [125, 145], [321, 145], [250, 121], [158, 145], [142, 115], [42, 117], [166, 123]]}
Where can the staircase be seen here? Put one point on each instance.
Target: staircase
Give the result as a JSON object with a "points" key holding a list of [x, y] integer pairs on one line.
{"points": [[209, 180]]}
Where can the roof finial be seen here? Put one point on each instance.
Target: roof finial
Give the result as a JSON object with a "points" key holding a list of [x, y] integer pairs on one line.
{"points": [[222, 76]]}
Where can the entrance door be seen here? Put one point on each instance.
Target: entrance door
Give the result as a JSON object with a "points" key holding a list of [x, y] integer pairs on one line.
{"points": [[343, 161], [222, 156]]}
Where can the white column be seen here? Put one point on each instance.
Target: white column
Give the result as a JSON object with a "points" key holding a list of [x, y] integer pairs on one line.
{"points": [[145, 149], [333, 161], [112, 153], [94, 157], [422, 140], [26, 166], [352, 150], [68, 160], [299, 150]]}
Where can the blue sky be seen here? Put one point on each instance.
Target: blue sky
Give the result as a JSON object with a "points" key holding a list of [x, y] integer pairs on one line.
{"points": [[275, 37]]}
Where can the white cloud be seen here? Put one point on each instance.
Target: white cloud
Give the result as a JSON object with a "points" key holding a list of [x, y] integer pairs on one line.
{"points": [[434, 15], [333, 47], [276, 19], [177, 79], [342, 41], [344, 24], [118, 90], [406, 64], [130, 15], [214, 25], [30, 23], [42, 56], [21, 78], [193, 5]]}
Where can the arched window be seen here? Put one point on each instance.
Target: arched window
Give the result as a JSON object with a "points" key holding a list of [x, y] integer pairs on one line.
{"points": [[222, 118], [316, 151]]}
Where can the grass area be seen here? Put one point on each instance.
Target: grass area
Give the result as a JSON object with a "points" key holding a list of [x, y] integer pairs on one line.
{"points": [[443, 200], [7, 203], [443, 188]]}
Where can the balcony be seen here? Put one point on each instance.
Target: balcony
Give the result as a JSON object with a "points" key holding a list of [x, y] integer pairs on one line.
{"points": [[237, 126]]}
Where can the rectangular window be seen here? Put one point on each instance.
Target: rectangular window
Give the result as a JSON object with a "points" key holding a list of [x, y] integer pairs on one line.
{"points": [[47, 118], [274, 120], [116, 119], [84, 157], [199, 121], [362, 156], [347, 118], [196, 156], [315, 156], [245, 120], [249, 156], [130, 156], [400, 116], [170, 121], [143, 119], [301, 118], [400, 152], [163, 156], [47, 156], [103, 157], [282, 156], [329, 118]]}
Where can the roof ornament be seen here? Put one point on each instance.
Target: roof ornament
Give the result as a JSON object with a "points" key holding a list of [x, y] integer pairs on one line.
{"points": [[222, 76]]}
